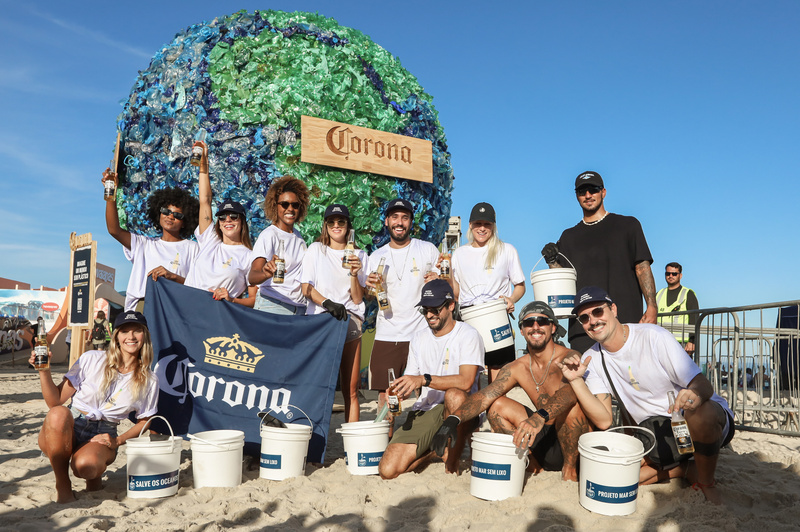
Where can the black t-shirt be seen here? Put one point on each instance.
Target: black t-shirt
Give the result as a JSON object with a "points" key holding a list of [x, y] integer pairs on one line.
{"points": [[605, 255]]}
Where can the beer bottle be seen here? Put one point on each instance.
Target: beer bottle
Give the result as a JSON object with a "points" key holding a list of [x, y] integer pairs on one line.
{"points": [[277, 277], [679, 428], [197, 151], [109, 189], [444, 263], [349, 250], [391, 398], [372, 291], [380, 288], [41, 359]]}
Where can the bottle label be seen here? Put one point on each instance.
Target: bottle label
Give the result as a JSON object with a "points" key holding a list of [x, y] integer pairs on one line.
{"points": [[383, 300], [682, 437], [279, 272], [394, 403], [40, 355]]}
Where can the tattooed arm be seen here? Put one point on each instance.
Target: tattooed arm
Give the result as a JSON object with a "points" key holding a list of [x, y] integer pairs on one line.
{"points": [[482, 399], [648, 285]]}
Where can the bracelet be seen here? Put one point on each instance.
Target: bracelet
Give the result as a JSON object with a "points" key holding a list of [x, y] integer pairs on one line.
{"points": [[351, 274]]}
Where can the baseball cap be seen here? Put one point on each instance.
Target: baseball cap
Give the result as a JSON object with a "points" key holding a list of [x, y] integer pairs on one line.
{"points": [[482, 211], [400, 204], [588, 295], [130, 316], [540, 307], [589, 178], [436, 292], [230, 206], [338, 209]]}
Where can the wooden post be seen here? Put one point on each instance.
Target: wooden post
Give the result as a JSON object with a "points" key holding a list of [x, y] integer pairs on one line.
{"points": [[82, 279]]}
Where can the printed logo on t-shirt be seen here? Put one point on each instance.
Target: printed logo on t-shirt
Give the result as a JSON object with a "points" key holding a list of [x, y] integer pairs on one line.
{"points": [[633, 380], [414, 268], [176, 262], [227, 263]]}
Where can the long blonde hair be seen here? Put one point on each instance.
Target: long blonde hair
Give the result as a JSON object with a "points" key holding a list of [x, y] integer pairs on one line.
{"points": [[141, 374], [494, 245]]}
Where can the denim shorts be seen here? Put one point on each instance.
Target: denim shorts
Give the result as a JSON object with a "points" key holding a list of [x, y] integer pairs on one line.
{"points": [[85, 429], [275, 306]]}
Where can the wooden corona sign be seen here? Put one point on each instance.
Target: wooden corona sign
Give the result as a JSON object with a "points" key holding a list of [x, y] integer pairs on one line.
{"points": [[365, 150]]}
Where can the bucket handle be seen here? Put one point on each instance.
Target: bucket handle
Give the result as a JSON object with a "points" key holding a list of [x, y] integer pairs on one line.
{"points": [[540, 260], [261, 421], [147, 424], [207, 442], [643, 429]]}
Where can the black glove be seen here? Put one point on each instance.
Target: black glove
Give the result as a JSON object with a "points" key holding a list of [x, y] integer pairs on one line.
{"points": [[337, 310], [446, 432], [271, 421], [550, 252]]}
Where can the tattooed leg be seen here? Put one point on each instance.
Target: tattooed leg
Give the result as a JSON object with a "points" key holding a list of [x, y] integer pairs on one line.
{"points": [[569, 429], [505, 415]]}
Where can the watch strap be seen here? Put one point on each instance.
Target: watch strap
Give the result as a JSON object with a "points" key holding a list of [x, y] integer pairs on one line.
{"points": [[427, 379]]}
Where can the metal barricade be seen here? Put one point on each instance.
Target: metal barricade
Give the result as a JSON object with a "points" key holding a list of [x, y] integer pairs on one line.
{"points": [[751, 356]]}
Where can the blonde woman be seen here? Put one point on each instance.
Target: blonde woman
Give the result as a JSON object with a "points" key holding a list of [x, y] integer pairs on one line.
{"points": [[485, 270], [104, 386]]}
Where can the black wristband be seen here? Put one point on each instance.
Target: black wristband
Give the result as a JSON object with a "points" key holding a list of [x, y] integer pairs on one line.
{"points": [[427, 379]]}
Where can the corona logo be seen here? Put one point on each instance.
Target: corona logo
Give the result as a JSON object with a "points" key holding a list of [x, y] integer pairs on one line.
{"points": [[232, 353]]}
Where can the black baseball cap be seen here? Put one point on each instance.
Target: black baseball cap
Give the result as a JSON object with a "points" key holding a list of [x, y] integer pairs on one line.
{"points": [[482, 211], [540, 307], [589, 178], [436, 292], [337, 209], [588, 295], [400, 204], [230, 206], [130, 316]]}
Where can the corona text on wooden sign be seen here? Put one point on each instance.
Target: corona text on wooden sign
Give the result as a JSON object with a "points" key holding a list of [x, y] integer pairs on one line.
{"points": [[365, 150]]}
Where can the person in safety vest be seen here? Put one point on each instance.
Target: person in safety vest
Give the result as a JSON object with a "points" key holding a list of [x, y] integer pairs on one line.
{"points": [[677, 298]]}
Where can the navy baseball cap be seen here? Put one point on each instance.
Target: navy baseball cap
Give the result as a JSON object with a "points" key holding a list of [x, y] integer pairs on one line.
{"points": [[337, 209], [482, 212], [400, 204], [230, 206], [589, 178], [130, 316], [540, 307], [588, 295], [435, 293]]}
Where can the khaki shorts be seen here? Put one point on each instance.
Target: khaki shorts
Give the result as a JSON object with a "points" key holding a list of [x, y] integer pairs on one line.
{"points": [[386, 355], [419, 428]]}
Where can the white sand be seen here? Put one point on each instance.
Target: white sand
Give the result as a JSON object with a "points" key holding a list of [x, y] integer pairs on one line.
{"points": [[759, 477]]}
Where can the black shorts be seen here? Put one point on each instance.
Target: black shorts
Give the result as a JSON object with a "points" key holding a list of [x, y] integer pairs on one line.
{"points": [[546, 448], [500, 357]]}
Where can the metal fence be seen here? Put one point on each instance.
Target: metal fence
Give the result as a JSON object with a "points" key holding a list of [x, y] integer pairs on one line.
{"points": [[750, 354]]}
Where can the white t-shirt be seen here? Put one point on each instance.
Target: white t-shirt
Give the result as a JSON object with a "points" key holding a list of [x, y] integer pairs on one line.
{"points": [[322, 269], [114, 405], [650, 364], [405, 276], [478, 284], [219, 265], [293, 251], [147, 254], [443, 356]]}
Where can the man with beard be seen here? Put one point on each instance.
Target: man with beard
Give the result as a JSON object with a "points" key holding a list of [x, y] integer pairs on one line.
{"points": [[410, 263], [607, 250], [553, 430], [444, 360]]}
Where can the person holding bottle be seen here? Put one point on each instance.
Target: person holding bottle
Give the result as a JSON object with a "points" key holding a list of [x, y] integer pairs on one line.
{"points": [[333, 281], [174, 211], [224, 259], [278, 253], [485, 270], [104, 387]]}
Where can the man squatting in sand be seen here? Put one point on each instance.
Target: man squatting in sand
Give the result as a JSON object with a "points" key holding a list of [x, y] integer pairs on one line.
{"points": [[552, 431]]}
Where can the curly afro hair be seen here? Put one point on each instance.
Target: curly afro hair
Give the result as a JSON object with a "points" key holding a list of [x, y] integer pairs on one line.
{"points": [[280, 186], [179, 198]]}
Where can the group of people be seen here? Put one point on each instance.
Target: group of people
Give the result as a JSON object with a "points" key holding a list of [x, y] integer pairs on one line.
{"points": [[420, 336]]}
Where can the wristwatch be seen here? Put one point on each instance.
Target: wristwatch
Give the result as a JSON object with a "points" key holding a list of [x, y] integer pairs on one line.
{"points": [[427, 379], [542, 412]]}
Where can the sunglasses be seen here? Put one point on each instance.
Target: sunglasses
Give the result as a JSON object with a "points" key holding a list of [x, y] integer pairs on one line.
{"points": [[338, 222], [232, 215], [597, 312], [591, 189], [167, 212], [285, 204], [433, 310], [540, 320], [671, 274]]}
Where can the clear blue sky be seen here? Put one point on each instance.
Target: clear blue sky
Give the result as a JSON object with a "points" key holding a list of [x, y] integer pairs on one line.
{"points": [[689, 110]]}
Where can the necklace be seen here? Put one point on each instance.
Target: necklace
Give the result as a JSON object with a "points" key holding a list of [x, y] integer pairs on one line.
{"points": [[546, 370], [405, 259], [596, 221]]}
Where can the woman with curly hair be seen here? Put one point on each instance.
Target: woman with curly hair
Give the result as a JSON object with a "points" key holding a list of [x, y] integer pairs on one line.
{"points": [[286, 203], [223, 261], [174, 211], [105, 386]]}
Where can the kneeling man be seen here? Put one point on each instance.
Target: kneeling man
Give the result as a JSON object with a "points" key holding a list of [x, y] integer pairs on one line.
{"points": [[443, 360], [640, 363], [552, 431]]}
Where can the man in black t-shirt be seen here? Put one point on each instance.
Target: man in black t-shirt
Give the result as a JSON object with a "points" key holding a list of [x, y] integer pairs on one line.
{"points": [[609, 251]]}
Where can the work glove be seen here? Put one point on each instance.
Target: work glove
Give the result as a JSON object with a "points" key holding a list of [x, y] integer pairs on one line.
{"points": [[448, 431], [337, 310], [271, 421], [550, 252]]}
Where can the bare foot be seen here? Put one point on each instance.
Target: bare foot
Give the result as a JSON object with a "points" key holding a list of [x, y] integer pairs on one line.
{"points": [[533, 465], [95, 484], [64, 496], [712, 493], [569, 473]]}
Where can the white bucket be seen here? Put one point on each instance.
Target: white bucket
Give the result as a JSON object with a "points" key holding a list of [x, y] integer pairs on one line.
{"points": [[153, 466], [491, 321], [498, 468], [364, 444], [284, 450], [609, 471], [556, 287], [217, 458]]}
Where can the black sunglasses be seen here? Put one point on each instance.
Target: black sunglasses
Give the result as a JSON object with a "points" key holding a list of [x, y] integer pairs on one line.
{"points": [[336, 222], [433, 310], [591, 189], [232, 215], [541, 320], [597, 312], [285, 204], [167, 212], [670, 274]]}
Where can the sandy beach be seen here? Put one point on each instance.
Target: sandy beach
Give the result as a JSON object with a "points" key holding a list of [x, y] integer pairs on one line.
{"points": [[759, 476]]}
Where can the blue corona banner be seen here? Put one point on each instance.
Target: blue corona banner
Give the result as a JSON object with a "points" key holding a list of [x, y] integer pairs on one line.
{"points": [[219, 364]]}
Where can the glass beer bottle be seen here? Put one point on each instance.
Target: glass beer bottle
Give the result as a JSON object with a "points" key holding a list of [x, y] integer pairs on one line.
{"points": [[444, 263], [109, 189], [41, 358], [391, 398], [381, 293], [280, 264], [349, 250], [679, 428], [372, 290], [197, 151]]}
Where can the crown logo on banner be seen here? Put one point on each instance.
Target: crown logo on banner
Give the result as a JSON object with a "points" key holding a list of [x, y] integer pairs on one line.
{"points": [[232, 353]]}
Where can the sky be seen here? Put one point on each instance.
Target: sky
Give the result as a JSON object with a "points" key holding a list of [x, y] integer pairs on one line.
{"points": [[688, 109]]}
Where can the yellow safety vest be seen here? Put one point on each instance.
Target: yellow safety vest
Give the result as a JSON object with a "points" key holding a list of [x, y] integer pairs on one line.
{"points": [[681, 334]]}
